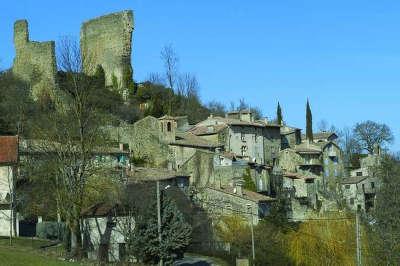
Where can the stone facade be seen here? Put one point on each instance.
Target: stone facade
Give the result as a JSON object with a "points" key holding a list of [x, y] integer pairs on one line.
{"points": [[233, 200], [34, 62], [254, 141], [107, 41], [148, 142]]}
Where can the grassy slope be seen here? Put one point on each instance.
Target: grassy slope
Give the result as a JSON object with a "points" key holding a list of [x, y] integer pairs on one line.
{"points": [[25, 251]]}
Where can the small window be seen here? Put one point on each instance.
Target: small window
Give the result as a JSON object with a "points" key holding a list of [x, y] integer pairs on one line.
{"points": [[363, 187], [372, 185], [347, 186], [352, 201], [169, 127], [242, 136], [359, 173]]}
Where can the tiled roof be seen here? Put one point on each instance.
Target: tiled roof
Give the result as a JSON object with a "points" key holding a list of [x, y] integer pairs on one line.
{"points": [[8, 149], [207, 130], [143, 174], [298, 176], [238, 122], [353, 179], [102, 209], [191, 140], [246, 194], [320, 135], [308, 148]]}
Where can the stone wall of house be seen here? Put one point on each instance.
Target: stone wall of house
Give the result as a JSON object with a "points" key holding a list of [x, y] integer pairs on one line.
{"points": [[272, 144], [289, 160], [249, 137], [333, 167], [116, 237], [200, 168], [34, 62], [145, 142], [5, 176], [107, 41], [218, 203]]}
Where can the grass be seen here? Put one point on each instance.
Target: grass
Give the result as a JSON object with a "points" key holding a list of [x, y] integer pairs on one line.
{"points": [[26, 251]]}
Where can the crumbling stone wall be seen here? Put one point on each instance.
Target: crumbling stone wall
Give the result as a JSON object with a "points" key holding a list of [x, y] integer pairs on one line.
{"points": [[34, 62], [107, 41]]}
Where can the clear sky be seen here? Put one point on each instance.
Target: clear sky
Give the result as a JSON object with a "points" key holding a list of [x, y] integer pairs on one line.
{"points": [[343, 55]]}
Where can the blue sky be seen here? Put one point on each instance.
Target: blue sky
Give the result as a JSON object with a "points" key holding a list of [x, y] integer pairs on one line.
{"points": [[342, 55]]}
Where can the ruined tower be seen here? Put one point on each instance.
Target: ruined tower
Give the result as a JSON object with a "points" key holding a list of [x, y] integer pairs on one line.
{"points": [[34, 62], [107, 41]]}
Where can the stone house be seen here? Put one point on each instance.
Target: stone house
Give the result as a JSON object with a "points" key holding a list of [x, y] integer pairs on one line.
{"points": [[358, 192], [301, 194], [8, 172], [228, 200], [323, 136], [290, 136], [333, 165], [254, 141]]}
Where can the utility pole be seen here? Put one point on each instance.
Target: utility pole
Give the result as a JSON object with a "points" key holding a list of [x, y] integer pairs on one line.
{"points": [[159, 217], [252, 232], [358, 239]]}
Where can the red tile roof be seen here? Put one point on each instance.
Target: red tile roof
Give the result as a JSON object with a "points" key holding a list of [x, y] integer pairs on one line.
{"points": [[8, 149]]}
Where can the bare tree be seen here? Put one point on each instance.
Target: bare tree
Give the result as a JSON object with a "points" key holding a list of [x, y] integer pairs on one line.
{"points": [[156, 78], [170, 60], [323, 125], [71, 135], [369, 134]]}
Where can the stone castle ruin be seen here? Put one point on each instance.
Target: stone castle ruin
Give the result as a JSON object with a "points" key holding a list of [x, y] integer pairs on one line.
{"points": [[35, 62], [105, 41]]}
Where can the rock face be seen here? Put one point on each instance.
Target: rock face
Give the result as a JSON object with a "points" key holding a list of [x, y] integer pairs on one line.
{"points": [[107, 41], [34, 62]]}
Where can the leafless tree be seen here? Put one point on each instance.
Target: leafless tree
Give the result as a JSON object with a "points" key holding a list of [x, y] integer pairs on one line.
{"points": [[322, 125], [170, 60], [156, 78], [370, 134], [71, 135]]}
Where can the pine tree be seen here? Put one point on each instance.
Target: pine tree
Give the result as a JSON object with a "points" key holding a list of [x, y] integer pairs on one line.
{"points": [[309, 129], [176, 234], [279, 114]]}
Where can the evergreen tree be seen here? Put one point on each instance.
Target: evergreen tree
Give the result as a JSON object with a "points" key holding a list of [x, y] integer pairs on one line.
{"points": [[175, 234], [309, 128], [279, 117]]}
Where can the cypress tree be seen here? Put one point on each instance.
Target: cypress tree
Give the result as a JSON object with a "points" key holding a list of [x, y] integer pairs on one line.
{"points": [[309, 130], [279, 114]]}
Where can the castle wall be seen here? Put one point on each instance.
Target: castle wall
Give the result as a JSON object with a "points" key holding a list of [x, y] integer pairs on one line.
{"points": [[107, 41], [34, 62]]}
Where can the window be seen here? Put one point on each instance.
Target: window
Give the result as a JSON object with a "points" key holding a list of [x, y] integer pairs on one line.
{"points": [[242, 136], [347, 186], [359, 173], [169, 127], [244, 150], [372, 185], [352, 201]]}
